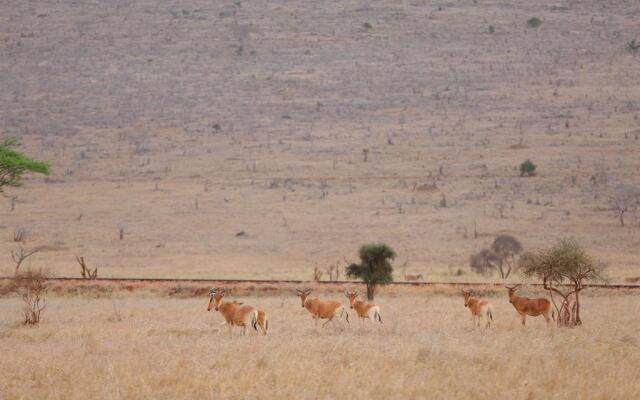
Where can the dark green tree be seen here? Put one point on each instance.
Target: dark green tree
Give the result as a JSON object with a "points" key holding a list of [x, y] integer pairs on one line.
{"points": [[374, 268], [14, 164], [528, 168], [534, 22]]}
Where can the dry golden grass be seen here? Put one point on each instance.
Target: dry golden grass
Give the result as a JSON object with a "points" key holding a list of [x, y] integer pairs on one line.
{"points": [[135, 348]]}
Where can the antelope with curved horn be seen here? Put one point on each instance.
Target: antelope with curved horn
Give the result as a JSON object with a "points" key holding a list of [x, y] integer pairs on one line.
{"points": [[234, 313], [363, 309], [479, 308], [322, 309], [526, 306]]}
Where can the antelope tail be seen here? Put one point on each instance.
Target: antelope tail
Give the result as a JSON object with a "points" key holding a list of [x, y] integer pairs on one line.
{"points": [[266, 325], [553, 314], [378, 317], [490, 314], [346, 315]]}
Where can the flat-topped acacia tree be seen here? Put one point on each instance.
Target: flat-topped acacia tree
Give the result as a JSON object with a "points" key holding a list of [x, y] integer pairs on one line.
{"points": [[374, 268], [14, 164], [563, 269]]}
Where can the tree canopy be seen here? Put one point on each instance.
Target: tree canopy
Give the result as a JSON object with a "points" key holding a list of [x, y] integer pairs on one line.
{"points": [[564, 263], [499, 257], [13, 164], [374, 267]]}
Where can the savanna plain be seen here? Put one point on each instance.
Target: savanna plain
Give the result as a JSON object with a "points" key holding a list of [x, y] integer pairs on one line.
{"points": [[137, 347], [259, 139]]}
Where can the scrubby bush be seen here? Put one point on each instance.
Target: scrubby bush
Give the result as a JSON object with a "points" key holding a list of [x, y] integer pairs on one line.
{"points": [[500, 257], [30, 286], [534, 22], [528, 168]]}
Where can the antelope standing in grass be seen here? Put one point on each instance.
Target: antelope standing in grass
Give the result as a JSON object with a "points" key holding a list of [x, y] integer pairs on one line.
{"points": [[363, 309], [234, 313], [322, 309], [532, 307], [480, 308], [263, 321]]}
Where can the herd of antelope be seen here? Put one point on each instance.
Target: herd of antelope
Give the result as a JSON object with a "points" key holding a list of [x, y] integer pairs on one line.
{"points": [[245, 316]]}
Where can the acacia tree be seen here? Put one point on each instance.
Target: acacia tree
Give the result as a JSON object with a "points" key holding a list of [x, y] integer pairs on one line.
{"points": [[562, 269], [500, 257], [374, 268], [14, 164]]}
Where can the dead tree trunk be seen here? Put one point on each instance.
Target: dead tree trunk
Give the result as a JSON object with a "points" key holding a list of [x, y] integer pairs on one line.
{"points": [[86, 273]]}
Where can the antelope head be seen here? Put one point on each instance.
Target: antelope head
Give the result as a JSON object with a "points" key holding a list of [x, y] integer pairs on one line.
{"points": [[215, 299], [467, 295], [351, 295], [512, 291], [303, 294]]}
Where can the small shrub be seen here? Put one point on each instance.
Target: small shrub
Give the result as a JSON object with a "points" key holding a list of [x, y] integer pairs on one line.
{"points": [[367, 25], [633, 46], [30, 286], [534, 22], [528, 168], [20, 235]]}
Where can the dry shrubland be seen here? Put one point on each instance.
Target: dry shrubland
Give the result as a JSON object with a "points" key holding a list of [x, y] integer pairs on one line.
{"points": [[169, 136], [133, 347]]}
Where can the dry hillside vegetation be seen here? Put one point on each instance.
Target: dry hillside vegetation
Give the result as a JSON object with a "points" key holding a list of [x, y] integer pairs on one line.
{"points": [[167, 348], [173, 127]]}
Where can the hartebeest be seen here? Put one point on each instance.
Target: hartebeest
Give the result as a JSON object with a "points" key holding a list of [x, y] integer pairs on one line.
{"points": [[234, 313], [263, 321], [322, 309], [363, 309], [526, 306], [480, 308]]}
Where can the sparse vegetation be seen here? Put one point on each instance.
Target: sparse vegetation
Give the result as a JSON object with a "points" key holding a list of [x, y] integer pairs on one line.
{"points": [[20, 234], [624, 200], [85, 272], [375, 266], [534, 22], [633, 46], [565, 263], [19, 255], [528, 168], [30, 286], [501, 257]]}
